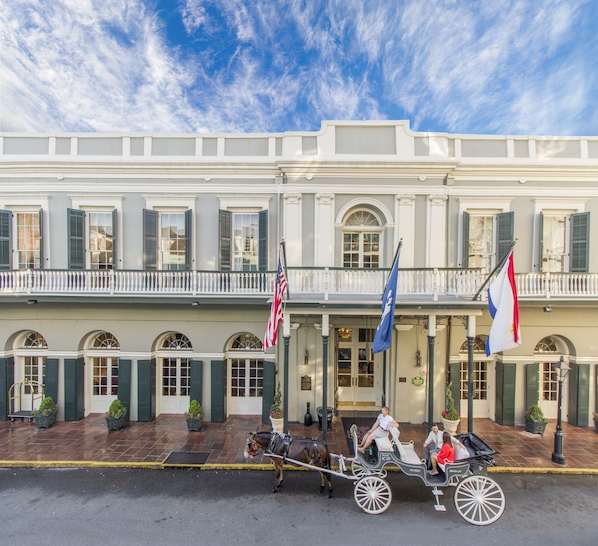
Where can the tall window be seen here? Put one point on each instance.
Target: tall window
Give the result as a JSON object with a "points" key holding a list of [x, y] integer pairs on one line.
{"points": [[28, 240], [487, 237], [176, 370], [172, 240], [91, 238], [35, 366], [105, 368], [167, 239], [20, 239], [480, 370], [101, 247], [247, 374], [245, 241], [361, 240], [564, 242], [549, 380]]}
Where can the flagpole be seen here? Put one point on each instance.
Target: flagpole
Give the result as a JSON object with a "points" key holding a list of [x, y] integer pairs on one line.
{"points": [[498, 266], [284, 264]]}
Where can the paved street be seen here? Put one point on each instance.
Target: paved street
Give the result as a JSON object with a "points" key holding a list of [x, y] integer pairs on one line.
{"points": [[140, 506]]}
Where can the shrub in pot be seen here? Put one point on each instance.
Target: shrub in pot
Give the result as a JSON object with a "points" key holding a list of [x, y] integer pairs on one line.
{"points": [[535, 422], [194, 416], [45, 415], [115, 418]]}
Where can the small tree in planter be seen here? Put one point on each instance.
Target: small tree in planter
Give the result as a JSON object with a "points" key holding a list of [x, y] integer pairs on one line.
{"points": [[115, 419], [276, 412], [595, 415], [194, 416], [45, 415], [450, 416], [535, 422]]}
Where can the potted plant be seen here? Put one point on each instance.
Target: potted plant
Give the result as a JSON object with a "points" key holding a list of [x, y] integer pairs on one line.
{"points": [[535, 422], [450, 416], [276, 413], [45, 415], [115, 419], [595, 420], [194, 416]]}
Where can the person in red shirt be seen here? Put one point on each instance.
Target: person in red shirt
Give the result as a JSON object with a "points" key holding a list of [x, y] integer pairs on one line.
{"points": [[445, 455]]}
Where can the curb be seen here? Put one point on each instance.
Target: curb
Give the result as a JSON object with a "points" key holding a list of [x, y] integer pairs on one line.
{"points": [[261, 467]]}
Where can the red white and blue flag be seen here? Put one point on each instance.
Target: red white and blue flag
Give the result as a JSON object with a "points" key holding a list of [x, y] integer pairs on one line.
{"points": [[504, 308], [276, 310]]}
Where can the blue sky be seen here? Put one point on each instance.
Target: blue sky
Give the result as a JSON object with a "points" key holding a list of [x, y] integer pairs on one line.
{"points": [[193, 66]]}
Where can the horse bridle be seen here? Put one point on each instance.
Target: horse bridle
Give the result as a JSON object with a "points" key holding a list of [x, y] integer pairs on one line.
{"points": [[251, 448]]}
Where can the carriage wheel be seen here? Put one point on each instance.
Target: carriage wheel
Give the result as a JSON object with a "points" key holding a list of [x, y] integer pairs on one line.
{"points": [[479, 500], [372, 494], [357, 469]]}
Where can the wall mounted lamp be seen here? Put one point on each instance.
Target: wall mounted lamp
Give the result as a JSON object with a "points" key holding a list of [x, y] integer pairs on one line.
{"points": [[195, 303], [31, 302], [418, 358], [306, 357], [547, 309]]}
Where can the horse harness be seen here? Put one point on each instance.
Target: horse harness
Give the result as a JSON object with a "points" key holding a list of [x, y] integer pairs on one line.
{"points": [[276, 439]]}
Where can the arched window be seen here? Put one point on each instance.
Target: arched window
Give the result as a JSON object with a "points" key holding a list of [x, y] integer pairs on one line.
{"points": [[176, 369], [35, 340], [246, 342], [176, 342], [361, 240], [547, 347], [105, 368], [34, 365], [480, 369]]}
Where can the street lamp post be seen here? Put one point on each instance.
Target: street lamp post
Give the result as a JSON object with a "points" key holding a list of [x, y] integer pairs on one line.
{"points": [[562, 370]]}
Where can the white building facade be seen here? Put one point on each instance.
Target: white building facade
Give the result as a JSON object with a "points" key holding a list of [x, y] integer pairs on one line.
{"points": [[142, 267]]}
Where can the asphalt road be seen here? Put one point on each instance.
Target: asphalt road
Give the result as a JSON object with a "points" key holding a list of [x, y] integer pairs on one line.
{"points": [[180, 506]]}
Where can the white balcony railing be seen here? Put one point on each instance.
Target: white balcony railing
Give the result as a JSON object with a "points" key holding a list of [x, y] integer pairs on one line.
{"points": [[321, 283]]}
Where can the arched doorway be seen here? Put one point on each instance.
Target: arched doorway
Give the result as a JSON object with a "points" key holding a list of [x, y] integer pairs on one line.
{"points": [[245, 361], [483, 378], [173, 373], [102, 355], [547, 353]]}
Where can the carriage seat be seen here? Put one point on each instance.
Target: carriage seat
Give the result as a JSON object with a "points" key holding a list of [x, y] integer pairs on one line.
{"points": [[384, 444], [461, 451]]}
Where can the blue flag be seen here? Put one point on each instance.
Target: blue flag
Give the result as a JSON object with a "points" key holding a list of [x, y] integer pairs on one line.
{"points": [[384, 331]]}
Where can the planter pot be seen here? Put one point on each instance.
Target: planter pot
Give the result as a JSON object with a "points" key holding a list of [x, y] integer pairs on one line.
{"points": [[194, 423], [596, 424], [535, 427], [450, 426], [45, 421], [277, 425], [115, 423]]}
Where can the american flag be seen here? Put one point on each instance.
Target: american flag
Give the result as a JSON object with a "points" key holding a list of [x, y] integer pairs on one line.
{"points": [[276, 310]]}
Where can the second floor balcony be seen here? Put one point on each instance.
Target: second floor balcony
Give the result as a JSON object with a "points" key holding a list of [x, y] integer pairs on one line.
{"points": [[308, 284]]}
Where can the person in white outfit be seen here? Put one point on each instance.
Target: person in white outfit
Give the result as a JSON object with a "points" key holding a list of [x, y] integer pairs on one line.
{"points": [[433, 442], [383, 425]]}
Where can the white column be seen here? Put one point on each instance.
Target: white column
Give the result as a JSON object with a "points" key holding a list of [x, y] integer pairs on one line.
{"points": [[405, 228], [324, 230], [436, 231], [292, 228]]}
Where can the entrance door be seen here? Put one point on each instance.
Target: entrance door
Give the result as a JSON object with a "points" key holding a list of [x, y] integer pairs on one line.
{"points": [[246, 384], [175, 373], [357, 381]]}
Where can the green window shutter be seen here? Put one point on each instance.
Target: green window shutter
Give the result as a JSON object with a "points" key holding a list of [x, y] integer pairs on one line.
{"points": [[188, 239], [263, 241], [51, 379], [196, 381], [218, 385], [150, 239], [76, 238], [114, 240], [580, 242], [41, 238], [579, 394], [455, 380], [5, 239], [7, 378], [505, 393], [74, 408], [124, 385], [541, 257], [269, 386], [224, 239], [146, 390], [532, 384], [465, 257], [505, 228]]}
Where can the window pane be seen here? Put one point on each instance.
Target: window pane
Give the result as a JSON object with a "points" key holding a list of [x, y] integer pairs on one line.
{"points": [[553, 243], [480, 241], [245, 241], [172, 240], [100, 240], [28, 240]]}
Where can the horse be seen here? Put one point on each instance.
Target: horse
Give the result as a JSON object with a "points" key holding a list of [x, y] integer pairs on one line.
{"points": [[306, 450]]}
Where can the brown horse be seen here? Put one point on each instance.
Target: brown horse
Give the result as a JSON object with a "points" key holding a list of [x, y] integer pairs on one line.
{"points": [[306, 450]]}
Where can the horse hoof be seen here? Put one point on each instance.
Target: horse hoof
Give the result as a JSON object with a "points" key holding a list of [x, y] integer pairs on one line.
{"points": [[275, 490]]}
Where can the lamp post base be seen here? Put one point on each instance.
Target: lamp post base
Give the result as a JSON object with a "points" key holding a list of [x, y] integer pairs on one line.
{"points": [[557, 454]]}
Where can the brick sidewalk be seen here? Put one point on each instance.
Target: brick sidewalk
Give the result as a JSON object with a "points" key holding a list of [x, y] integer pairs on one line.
{"points": [[88, 441]]}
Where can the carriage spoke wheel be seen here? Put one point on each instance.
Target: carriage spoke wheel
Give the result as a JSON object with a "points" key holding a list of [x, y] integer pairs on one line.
{"points": [[479, 500], [357, 469], [372, 494]]}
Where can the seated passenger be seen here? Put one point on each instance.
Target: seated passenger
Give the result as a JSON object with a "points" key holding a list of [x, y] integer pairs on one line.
{"points": [[445, 455], [383, 425]]}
